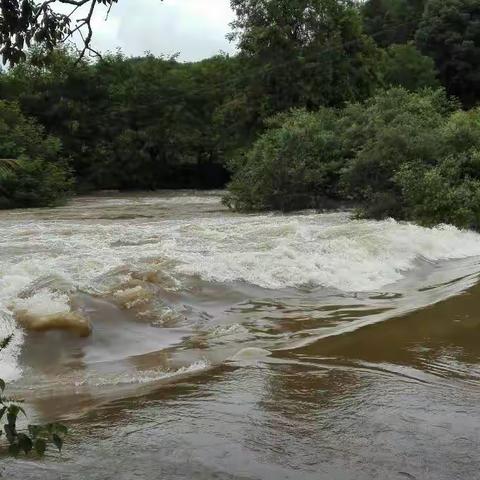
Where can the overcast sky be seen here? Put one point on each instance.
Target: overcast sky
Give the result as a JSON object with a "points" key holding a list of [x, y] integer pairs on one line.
{"points": [[195, 28]]}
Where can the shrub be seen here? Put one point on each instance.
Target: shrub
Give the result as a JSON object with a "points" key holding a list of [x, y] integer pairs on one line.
{"points": [[390, 130], [294, 165], [401, 154], [461, 132], [404, 66], [446, 193], [449, 191], [39, 176]]}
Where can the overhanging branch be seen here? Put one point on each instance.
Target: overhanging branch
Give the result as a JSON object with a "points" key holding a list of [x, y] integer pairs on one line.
{"points": [[26, 22]]}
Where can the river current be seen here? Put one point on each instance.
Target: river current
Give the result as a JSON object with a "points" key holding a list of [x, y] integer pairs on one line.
{"points": [[178, 340]]}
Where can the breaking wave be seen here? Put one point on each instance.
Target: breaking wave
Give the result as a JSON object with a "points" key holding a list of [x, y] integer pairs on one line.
{"points": [[44, 262]]}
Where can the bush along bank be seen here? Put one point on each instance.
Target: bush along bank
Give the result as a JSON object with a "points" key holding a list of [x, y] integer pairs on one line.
{"points": [[408, 155]]}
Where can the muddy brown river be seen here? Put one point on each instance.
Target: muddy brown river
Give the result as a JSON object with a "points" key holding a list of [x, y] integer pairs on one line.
{"points": [[178, 340]]}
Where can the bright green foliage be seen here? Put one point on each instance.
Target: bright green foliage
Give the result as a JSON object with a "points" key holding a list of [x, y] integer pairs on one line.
{"points": [[462, 131], [450, 191], [36, 437], [450, 33], [295, 164], [401, 154], [404, 66], [39, 176], [388, 131], [417, 158], [392, 21], [443, 194]]}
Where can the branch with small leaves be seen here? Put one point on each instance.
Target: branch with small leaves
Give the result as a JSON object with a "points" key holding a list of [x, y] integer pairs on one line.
{"points": [[27, 22], [37, 437]]}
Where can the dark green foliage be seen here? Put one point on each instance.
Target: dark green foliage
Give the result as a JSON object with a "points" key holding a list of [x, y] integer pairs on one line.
{"points": [[164, 112], [315, 66], [129, 123], [392, 21], [450, 33], [35, 183], [404, 66], [36, 437], [39, 176], [303, 53], [148, 123], [388, 131], [33, 177]]}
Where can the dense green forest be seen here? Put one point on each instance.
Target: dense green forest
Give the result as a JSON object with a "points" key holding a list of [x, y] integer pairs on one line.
{"points": [[326, 102]]}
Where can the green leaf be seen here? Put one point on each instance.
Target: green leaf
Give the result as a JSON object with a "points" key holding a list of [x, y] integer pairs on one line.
{"points": [[13, 409], [40, 446], [58, 442], [12, 414], [14, 449], [10, 433], [25, 443], [60, 428], [2, 412], [20, 409], [4, 163], [11, 419], [35, 430], [2, 385]]}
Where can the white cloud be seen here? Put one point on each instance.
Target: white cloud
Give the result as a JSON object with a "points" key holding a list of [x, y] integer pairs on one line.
{"points": [[194, 28]]}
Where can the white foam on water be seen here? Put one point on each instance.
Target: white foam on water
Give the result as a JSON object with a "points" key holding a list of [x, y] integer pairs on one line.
{"points": [[221, 331], [250, 356], [223, 334], [276, 252], [148, 376], [43, 303], [269, 251]]}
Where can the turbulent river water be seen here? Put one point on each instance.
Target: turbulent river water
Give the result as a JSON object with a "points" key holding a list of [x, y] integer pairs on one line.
{"points": [[228, 346]]}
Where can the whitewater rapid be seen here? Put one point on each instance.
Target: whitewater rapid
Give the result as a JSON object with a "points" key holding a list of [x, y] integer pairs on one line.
{"points": [[109, 247]]}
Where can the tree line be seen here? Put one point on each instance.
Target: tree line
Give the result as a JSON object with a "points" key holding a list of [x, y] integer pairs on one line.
{"points": [[314, 85]]}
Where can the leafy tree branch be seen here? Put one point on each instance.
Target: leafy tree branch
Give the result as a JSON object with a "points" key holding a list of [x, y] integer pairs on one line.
{"points": [[36, 437]]}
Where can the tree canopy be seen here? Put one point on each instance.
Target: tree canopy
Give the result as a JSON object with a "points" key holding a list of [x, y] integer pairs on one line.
{"points": [[449, 32], [392, 22], [305, 52]]}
